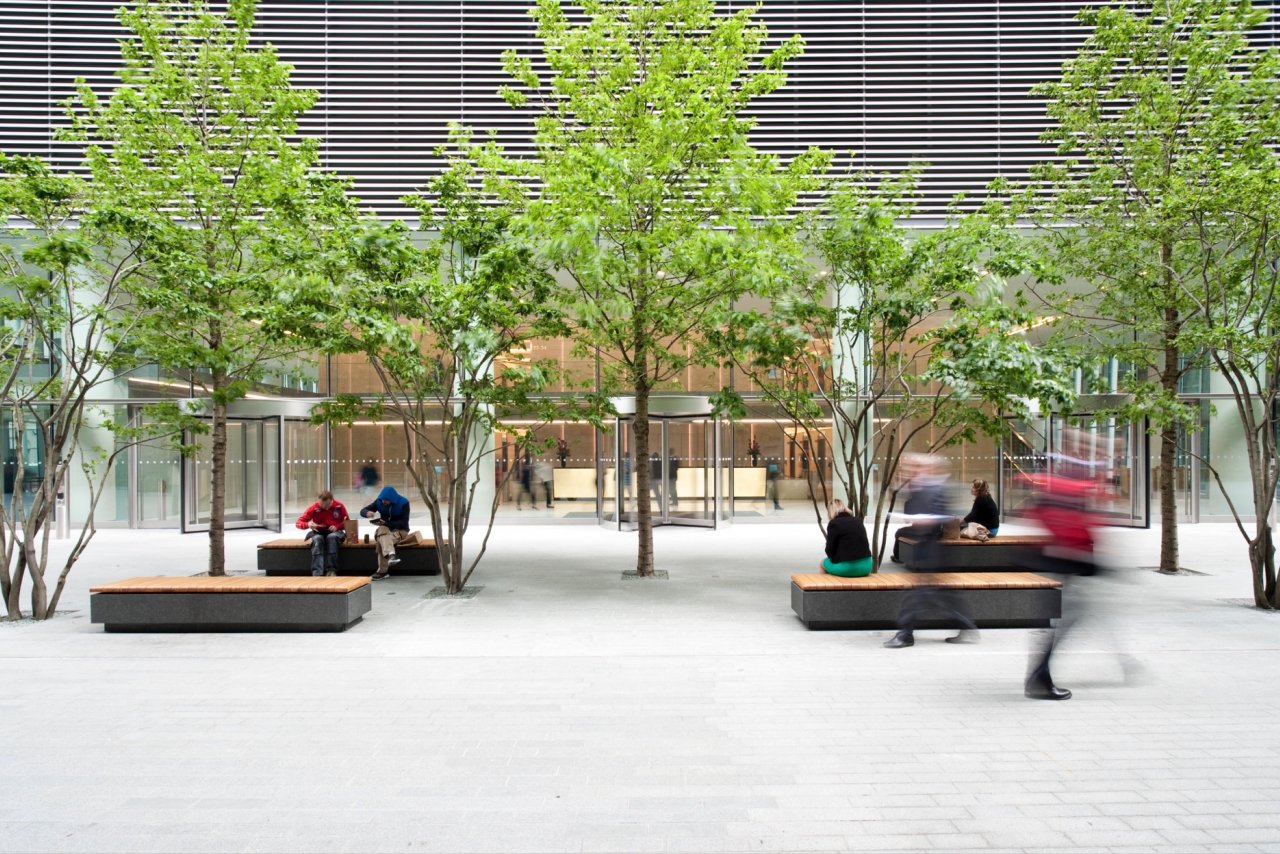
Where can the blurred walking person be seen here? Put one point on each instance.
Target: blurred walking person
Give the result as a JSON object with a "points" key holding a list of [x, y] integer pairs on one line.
{"points": [[526, 483], [1063, 507], [543, 473], [927, 509]]}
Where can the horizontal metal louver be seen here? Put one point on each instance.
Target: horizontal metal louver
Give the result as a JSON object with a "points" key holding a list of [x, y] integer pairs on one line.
{"points": [[942, 81]]}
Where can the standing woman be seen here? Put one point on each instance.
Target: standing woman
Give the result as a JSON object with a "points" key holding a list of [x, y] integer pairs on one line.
{"points": [[848, 551], [984, 511]]}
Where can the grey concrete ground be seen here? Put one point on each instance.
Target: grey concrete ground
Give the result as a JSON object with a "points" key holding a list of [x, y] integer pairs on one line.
{"points": [[563, 709]]}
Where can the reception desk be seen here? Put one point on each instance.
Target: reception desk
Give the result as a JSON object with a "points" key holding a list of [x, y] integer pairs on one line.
{"points": [[574, 485], [579, 484]]}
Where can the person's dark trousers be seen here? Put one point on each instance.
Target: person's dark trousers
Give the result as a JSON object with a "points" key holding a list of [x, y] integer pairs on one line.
{"points": [[324, 550], [920, 533], [921, 601], [1039, 672], [1040, 684]]}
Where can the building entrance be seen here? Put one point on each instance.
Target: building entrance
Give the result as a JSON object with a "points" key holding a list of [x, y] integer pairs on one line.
{"points": [[252, 477], [1037, 446], [688, 485]]}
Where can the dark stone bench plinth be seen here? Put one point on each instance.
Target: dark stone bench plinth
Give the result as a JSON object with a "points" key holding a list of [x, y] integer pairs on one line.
{"points": [[230, 604], [293, 557], [994, 600], [998, 554]]}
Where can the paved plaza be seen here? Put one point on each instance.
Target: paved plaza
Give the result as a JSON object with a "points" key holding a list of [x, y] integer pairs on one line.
{"points": [[564, 709]]}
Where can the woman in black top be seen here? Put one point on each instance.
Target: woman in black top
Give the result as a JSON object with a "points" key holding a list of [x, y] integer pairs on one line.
{"points": [[848, 552], [984, 511]]}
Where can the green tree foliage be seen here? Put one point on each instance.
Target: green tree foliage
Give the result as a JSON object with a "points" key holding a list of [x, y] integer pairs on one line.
{"points": [[1156, 110], [1236, 299], [925, 351], [194, 157], [66, 318], [438, 315], [658, 210]]}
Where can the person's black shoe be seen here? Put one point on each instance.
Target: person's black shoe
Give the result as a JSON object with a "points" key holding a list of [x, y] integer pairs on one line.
{"points": [[393, 560], [900, 640], [895, 558], [1046, 692], [966, 636], [380, 575]]}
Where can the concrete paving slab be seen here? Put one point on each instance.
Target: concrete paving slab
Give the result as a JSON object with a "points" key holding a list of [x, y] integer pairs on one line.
{"points": [[563, 709]]}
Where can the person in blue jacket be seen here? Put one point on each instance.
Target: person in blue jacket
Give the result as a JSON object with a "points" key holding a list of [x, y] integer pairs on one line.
{"points": [[390, 510]]}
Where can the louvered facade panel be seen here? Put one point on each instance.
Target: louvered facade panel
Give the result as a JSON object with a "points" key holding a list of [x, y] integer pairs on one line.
{"points": [[886, 81]]}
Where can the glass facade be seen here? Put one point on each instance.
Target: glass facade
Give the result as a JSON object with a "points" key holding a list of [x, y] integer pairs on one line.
{"points": [[900, 82]]}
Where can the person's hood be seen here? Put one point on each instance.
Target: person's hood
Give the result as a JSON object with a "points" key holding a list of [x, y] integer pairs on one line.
{"points": [[395, 499]]}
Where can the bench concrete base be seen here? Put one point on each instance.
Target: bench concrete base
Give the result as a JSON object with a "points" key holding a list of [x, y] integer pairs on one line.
{"points": [[999, 554], [230, 612], [354, 559], [990, 608]]}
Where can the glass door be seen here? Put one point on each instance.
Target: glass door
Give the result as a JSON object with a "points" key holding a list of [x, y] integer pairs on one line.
{"points": [[246, 477], [271, 471], [1189, 481], [1115, 448], [158, 486], [1024, 453], [687, 484]]}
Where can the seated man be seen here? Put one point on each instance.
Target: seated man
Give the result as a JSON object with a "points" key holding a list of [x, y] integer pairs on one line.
{"points": [[325, 524], [390, 512]]}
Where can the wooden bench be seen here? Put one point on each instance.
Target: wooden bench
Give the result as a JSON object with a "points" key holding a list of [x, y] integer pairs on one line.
{"points": [[292, 556], [230, 604], [993, 599], [998, 554]]}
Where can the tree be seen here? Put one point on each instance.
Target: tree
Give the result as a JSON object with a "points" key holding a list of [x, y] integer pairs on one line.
{"points": [[196, 156], [658, 210], [903, 340], [1142, 122], [1236, 293], [438, 323], [67, 317]]}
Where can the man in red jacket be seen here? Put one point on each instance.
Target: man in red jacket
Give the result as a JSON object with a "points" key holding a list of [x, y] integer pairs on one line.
{"points": [[325, 524]]}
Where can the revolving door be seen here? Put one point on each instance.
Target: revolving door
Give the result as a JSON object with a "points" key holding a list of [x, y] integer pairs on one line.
{"points": [[688, 485]]}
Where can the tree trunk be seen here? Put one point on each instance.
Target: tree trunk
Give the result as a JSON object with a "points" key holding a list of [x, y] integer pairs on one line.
{"points": [[457, 505], [38, 528], [1169, 434], [1168, 500], [1262, 558], [218, 497], [644, 513], [13, 602]]}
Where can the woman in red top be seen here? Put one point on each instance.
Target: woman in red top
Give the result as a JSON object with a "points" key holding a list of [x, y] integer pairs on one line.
{"points": [[326, 525]]}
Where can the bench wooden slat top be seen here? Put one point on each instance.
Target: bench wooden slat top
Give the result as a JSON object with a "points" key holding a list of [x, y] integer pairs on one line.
{"points": [[999, 540], [820, 581], [234, 584]]}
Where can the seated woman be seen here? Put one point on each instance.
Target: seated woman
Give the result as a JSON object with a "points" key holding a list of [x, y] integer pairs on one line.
{"points": [[984, 511], [848, 552]]}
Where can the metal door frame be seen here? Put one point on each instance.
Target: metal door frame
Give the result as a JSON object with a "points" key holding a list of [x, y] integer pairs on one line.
{"points": [[713, 454], [189, 502]]}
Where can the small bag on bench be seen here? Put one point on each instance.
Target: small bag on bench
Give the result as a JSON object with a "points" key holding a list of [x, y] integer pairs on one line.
{"points": [[974, 531]]}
